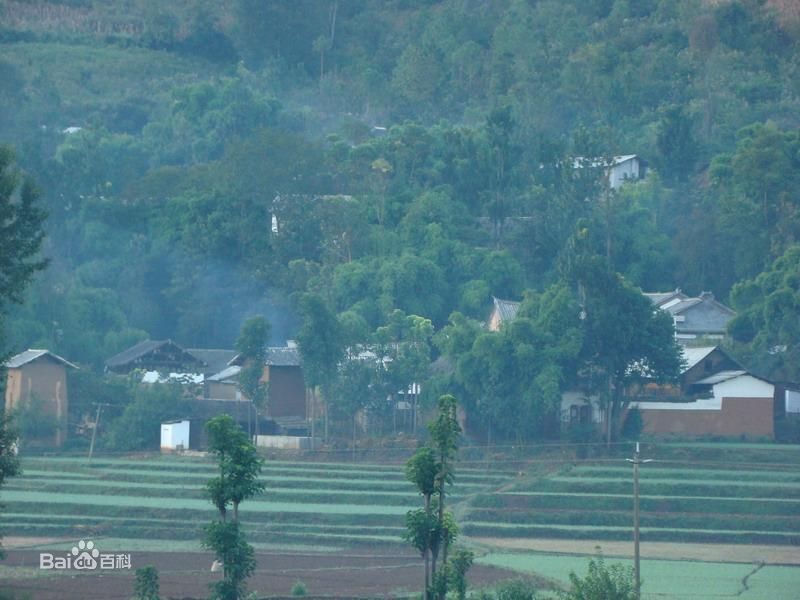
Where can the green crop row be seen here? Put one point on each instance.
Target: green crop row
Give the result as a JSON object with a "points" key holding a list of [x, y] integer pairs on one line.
{"points": [[667, 504], [574, 485], [648, 519], [624, 534], [90, 512], [653, 471], [19, 497]]}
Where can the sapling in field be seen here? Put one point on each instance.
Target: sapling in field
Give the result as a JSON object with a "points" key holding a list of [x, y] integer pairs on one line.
{"points": [[239, 468]]}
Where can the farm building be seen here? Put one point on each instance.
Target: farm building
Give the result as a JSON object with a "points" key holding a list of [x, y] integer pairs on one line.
{"points": [[700, 317], [738, 404], [175, 435], [164, 356], [40, 376], [714, 397], [503, 311], [618, 169]]}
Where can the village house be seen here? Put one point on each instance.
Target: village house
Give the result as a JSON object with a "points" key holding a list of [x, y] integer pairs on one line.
{"points": [[715, 397], [702, 317], [162, 356], [40, 376], [287, 406], [618, 169], [503, 311]]}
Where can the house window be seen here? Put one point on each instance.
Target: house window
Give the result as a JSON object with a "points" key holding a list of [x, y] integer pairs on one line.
{"points": [[580, 414]]}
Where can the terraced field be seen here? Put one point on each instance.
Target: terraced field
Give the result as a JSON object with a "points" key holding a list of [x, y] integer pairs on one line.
{"points": [[321, 506], [749, 495], [716, 495]]}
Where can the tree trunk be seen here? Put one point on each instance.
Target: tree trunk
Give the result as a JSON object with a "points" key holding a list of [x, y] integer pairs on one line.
{"points": [[235, 510], [427, 555]]}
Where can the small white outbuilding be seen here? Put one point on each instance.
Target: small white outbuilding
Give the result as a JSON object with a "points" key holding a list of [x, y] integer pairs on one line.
{"points": [[175, 435]]}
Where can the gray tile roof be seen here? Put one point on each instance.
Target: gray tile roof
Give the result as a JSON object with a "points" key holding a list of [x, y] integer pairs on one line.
{"points": [[720, 377], [283, 356], [23, 358], [134, 352], [507, 309], [225, 374], [214, 359]]}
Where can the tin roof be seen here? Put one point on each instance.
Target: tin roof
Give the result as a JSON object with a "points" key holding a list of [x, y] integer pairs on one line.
{"points": [[23, 358], [720, 377]]}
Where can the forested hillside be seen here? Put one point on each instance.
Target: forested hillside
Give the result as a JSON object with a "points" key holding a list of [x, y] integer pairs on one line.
{"points": [[204, 161]]}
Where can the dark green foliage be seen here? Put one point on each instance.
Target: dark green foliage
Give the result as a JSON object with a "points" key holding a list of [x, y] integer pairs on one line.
{"points": [[9, 463], [602, 582], [239, 465], [201, 123], [769, 316], [226, 539], [251, 345], [432, 529], [460, 563], [632, 425], [139, 425], [239, 468], [146, 586]]}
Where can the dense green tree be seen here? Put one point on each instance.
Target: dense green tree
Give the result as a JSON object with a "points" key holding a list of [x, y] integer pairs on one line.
{"points": [[432, 529], [239, 468], [769, 317], [624, 337], [252, 347], [21, 232], [9, 463], [139, 425], [321, 346], [146, 586]]}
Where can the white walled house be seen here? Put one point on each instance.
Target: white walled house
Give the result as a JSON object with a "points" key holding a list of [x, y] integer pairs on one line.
{"points": [[738, 404]]}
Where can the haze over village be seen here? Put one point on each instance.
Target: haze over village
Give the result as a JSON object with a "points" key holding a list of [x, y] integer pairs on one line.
{"points": [[430, 299]]}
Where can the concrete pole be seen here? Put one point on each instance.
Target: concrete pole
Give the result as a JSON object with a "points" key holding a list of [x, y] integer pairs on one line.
{"points": [[636, 572]]}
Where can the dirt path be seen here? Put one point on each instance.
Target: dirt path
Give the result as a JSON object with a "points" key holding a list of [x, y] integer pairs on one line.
{"points": [[775, 555]]}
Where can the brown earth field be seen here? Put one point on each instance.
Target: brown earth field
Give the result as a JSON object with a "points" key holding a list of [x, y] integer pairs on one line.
{"points": [[355, 574]]}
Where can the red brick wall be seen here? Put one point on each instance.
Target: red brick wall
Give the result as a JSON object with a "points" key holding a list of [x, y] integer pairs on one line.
{"points": [[751, 417]]}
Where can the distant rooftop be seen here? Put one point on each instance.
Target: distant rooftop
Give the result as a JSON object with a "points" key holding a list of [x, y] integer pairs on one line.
{"points": [[23, 358]]}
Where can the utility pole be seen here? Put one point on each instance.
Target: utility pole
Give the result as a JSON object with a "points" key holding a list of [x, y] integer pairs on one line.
{"points": [[100, 406], [636, 460]]}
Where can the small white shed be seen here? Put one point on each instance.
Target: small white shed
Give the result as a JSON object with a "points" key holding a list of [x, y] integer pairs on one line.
{"points": [[175, 435]]}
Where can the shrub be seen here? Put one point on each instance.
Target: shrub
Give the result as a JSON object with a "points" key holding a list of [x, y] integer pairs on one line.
{"points": [[603, 582], [146, 587], [299, 589]]}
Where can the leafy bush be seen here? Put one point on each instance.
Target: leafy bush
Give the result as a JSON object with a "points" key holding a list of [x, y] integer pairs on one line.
{"points": [[614, 582], [146, 587], [299, 589], [139, 426]]}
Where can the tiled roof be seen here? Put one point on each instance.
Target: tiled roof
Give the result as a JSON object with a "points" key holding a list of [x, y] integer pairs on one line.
{"points": [[507, 309], [720, 377], [23, 358], [135, 352], [225, 374], [214, 359], [282, 356], [693, 356]]}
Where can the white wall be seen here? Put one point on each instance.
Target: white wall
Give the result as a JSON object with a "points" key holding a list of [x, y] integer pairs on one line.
{"points": [[175, 434], [619, 173], [744, 386]]}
